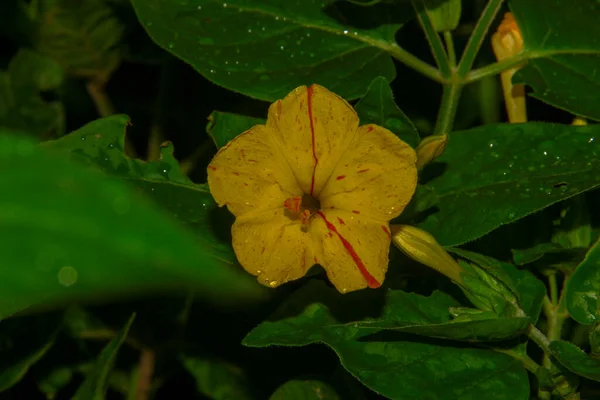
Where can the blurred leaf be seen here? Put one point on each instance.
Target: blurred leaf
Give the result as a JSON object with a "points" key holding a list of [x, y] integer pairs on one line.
{"points": [[21, 106], [297, 389], [54, 381], [527, 256], [95, 384], [583, 288], [575, 360], [561, 43], [101, 143], [266, 48], [406, 367], [81, 35], [74, 233], [223, 126], [23, 342], [512, 169], [377, 107], [218, 379]]}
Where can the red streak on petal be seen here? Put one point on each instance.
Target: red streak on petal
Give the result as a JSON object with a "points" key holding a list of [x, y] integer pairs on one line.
{"points": [[293, 204], [262, 251], [340, 177], [211, 167], [245, 184], [243, 154], [279, 109], [386, 230], [252, 161], [312, 133], [236, 173], [330, 234], [370, 129], [363, 170], [371, 281], [316, 261], [356, 212], [341, 221]]}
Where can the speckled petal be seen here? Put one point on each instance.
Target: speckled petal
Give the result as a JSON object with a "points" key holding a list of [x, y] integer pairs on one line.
{"points": [[315, 128], [352, 248], [272, 247], [249, 174], [376, 177]]}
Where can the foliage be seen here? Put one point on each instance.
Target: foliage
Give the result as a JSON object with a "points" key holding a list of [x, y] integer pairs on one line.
{"points": [[117, 274]]}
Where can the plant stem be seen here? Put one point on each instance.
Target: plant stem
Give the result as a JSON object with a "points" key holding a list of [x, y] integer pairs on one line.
{"points": [[104, 106], [539, 338], [415, 63], [527, 362], [554, 309], [477, 37], [495, 68], [449, 41], [145, 372], [156, 135], [435, 43], [448, 107]]}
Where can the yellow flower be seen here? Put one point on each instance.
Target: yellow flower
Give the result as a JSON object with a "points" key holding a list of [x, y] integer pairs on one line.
{"points": [[312, 187]]}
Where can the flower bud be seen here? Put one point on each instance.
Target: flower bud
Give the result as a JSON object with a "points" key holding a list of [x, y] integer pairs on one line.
{"points": [[508, 42], [430, 148], [422, 247], [444, 14]]}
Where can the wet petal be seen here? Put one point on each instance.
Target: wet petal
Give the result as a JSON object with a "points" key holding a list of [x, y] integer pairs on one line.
{"points": [[376, 177], [272, 247], [315, 128], [353, 249], [249, 174]]}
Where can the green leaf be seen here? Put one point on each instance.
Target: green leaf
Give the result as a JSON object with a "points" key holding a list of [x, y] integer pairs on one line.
{"points": [[561, 43], [266, 48], [81, 35], [575, 360], [217, 379], [583, 288], [95, 385], [21, 106], [74, 234], [223, 126], [402, 368], [529, 289], [489, 329], [23, 342], [299, 389], [527, 256], [496, 174], [377, 107]]}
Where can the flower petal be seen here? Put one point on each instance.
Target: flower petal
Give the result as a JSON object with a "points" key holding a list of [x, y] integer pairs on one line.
{"points": [[353, 249], [315, 126], [249, 174], [272, 246], [376, 177]]}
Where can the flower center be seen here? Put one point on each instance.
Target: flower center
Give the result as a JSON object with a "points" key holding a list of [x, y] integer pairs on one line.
{"points": [[301, 207]]}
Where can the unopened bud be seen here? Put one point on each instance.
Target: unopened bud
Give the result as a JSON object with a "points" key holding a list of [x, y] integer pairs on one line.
{"points": [[430, 148], [579, 121], [444, 15], [422, 247], [508, 42]]}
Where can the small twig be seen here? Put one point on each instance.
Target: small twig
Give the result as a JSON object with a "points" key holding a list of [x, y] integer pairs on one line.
{"points": [[96, 90], [145, 372]]}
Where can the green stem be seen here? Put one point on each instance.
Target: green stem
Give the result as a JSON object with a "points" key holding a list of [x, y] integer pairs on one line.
{"points": [[415, 63], [449, 41], [477, 37], [448, 107], [539, 338], [495, 68], [156, 134], [435, 43], [553, 288], [527, 362]]}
